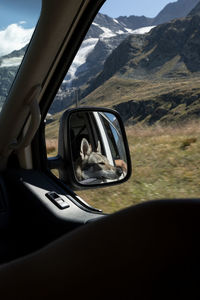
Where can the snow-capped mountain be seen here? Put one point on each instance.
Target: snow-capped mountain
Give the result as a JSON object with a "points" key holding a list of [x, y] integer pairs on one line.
{"points": [[107, 33], [8, 67], [104, 36]]}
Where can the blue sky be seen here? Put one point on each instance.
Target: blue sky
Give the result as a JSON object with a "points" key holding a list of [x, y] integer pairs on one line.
{"points": [[19, 17], [148, 8], [12, 12], [17, 21]]}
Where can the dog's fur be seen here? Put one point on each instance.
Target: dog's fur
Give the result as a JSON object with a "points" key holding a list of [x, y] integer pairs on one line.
{"points": [[93, 164]]}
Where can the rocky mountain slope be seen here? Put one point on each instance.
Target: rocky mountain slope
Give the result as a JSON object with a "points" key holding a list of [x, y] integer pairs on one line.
{"points": [[8, 68], [195, 10], [175, 10], [153, 77], [169, 50], [110, 38], [104, 36], [107, 33]]}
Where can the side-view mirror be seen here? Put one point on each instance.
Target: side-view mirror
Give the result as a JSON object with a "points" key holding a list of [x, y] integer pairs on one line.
{"points": [[93, 147]]}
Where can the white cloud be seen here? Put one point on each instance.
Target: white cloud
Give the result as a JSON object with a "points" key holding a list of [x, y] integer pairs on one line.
{"points": [[22, 22], [11, 62], [14, 37]]}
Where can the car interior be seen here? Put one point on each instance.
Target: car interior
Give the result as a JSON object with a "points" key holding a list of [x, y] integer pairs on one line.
{"points": [[53, 244]]}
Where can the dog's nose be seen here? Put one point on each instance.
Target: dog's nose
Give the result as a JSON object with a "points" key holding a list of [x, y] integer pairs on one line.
{"points": [[119, 171]]}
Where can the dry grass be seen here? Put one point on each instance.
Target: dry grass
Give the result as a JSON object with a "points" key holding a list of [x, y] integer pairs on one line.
{"points": [[51, 147], [161, 168], [187, 129], [166, 164]]}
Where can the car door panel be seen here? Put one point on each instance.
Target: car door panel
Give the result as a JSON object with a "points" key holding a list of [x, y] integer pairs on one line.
{"points": [[36, 220]]}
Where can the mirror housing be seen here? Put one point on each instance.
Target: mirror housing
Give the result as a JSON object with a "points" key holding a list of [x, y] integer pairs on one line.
{"points": [[93, 148]]}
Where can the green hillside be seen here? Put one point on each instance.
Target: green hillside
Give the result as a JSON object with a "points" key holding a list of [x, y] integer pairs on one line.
{"points": [[145, 101], [167, 100]]}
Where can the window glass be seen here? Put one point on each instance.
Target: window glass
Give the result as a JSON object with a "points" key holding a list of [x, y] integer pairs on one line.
{"points": [[17, 22], [147, 68]]}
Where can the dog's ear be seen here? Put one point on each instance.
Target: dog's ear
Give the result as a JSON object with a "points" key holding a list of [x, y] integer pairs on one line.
{"points": [[86, 148], [99, 147]]}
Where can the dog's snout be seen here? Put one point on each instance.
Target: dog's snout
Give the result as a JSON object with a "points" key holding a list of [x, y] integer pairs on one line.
{"points": [[119, 171]]}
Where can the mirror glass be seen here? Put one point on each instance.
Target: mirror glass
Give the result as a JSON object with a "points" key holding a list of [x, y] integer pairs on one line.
{"points": [[97, 147]]}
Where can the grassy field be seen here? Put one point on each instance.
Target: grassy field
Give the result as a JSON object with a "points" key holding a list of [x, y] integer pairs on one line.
{"points": [[165, 163], [117, 90]]}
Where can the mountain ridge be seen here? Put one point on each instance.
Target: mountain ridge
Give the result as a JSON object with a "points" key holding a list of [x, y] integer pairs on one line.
{"points": [[168, 50], [105, 35], [173, 10]]}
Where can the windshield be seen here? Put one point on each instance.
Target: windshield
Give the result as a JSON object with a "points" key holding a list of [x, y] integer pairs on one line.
{"points": [[17, 22]]}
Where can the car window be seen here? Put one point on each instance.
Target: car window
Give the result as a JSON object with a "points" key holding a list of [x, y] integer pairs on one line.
{"points": [[17, 22], [146, 68]]}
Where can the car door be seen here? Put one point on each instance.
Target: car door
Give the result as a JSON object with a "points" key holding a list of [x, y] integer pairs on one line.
{"points": [[38, 203]]}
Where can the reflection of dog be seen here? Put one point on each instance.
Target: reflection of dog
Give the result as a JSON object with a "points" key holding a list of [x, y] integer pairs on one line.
{"points": [[92, 164]]}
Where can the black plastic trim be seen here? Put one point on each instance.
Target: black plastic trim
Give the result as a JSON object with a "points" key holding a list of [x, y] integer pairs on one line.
{"points": [[69, 174]]}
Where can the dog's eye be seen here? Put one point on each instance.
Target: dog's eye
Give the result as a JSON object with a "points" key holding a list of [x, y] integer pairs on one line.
{"points": [[102, 163]]}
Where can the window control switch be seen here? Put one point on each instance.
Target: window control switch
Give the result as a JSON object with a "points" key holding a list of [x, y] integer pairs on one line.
{"points": [[57, 200]]}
